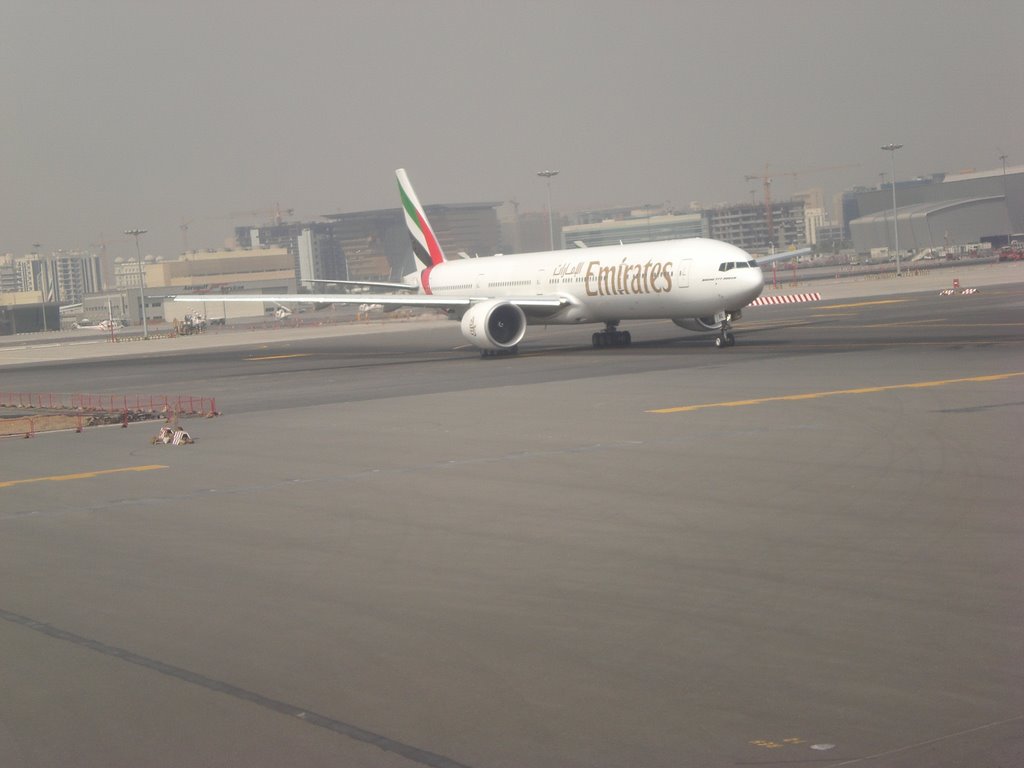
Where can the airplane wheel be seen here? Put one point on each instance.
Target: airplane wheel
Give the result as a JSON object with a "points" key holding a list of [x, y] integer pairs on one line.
{"points": [[730, 340], [719, 342]]}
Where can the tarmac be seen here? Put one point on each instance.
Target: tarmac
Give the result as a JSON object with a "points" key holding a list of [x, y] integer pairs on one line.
{"points": [[389, 552]]}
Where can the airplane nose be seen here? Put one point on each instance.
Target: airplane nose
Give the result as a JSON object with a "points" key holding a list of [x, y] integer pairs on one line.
{"points": [[758, 278], [752, 282]]}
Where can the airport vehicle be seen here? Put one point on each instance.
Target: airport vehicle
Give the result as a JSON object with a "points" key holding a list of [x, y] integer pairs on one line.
{"points": [[192, 324], [1012, 252], [700, 284]]}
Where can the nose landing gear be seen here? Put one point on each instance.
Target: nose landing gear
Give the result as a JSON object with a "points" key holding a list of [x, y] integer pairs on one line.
{"points": [[725, 337]]}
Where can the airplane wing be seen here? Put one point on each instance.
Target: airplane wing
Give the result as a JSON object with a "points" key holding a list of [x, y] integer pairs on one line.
{"points": [[526, 303], [769, 257]]}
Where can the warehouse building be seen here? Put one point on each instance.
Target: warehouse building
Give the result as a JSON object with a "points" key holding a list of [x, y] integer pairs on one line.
{"points": [[940, 211]]}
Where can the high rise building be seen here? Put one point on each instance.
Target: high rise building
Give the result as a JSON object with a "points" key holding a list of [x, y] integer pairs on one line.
{"points": [[747, 225]]}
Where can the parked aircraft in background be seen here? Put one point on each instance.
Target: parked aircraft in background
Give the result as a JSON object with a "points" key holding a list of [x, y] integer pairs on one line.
{"points": [[103, 325]]}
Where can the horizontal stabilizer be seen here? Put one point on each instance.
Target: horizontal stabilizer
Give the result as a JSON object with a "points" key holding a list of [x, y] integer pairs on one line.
{"points": [[368, 284]]}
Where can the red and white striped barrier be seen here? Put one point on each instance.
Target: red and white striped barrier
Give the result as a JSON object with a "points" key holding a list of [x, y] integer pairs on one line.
{"points": [[954, 292], [795, 298], [181, 437], [110, 403]]}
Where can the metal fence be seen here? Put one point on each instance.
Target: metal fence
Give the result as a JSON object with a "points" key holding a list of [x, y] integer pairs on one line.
{"points": [[63, 401]]}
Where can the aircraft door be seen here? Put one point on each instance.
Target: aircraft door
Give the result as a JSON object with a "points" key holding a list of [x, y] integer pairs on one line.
{"points": [[541, 288], [683, 274]]}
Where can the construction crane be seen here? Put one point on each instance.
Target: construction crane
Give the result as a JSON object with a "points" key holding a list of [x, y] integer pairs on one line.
{"points": [[105, 264], [102, 243], [766, 182], [277, 212], [184, 233]]}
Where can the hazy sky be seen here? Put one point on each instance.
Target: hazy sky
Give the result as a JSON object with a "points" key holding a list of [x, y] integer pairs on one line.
{"points": [[138, 113]]}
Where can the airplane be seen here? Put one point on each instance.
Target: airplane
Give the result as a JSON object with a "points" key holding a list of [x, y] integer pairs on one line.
{"points": [[103, 325], [698, 283]]}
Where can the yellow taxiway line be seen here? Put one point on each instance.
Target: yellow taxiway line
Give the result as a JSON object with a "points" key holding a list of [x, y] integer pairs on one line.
{"points": [[279, 357], [863, 304], [80, 475], [858, 391]]}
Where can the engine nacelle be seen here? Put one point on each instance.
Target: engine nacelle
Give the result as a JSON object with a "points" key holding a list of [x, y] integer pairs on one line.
{"points": [[699, 324], [705, 324], [494, 325]]}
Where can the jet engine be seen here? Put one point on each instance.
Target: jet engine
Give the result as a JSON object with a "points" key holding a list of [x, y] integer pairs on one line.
{"points": [[705, 324], [494, 325], [699, 324]]}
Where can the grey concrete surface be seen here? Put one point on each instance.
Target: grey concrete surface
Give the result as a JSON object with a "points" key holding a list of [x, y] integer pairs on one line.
{"points": [[390, 552], [76, 345]]}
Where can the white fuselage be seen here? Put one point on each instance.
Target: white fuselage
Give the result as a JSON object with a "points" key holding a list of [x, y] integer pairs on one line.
{"points": [[667, 279]]}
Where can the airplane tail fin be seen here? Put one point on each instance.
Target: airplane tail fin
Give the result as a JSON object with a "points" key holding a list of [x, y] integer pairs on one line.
{"points": [[424, 243]]}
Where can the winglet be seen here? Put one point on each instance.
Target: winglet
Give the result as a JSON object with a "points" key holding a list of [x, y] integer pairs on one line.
{"points": [[424, 243]]}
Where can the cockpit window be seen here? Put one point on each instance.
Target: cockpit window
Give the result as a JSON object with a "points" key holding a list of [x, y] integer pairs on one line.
{"points": [[725, 266]]}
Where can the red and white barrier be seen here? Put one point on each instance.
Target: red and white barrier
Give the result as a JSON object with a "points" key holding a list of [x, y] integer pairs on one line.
{"points": [[189, 404], [795, 298], [954, 292]]}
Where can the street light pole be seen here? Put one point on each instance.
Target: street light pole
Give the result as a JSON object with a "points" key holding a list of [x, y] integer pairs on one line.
{"points": [[551, 222], [142, 278], [891, 149], [1006, 199]]}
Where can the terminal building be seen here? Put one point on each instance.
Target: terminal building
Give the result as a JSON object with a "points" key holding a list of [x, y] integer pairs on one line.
{"points": [[374, 245], [259, 270], [262, 270], [941, 211]]}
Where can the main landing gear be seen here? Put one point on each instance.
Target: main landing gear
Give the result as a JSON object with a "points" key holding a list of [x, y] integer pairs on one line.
{"points": [[611, 337], [485, 353]]}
